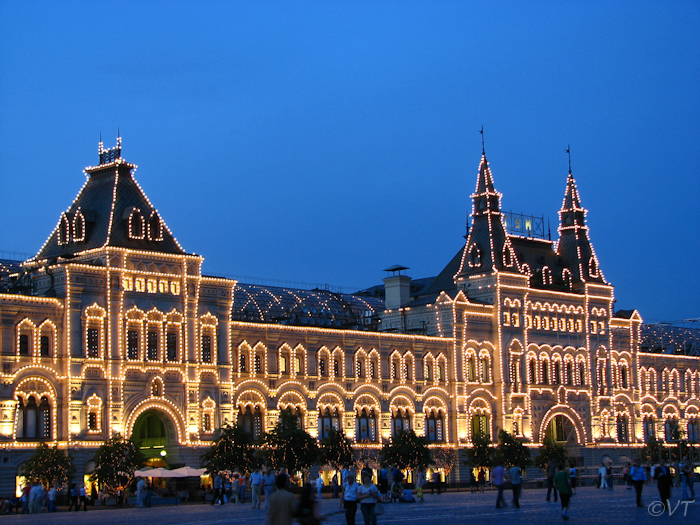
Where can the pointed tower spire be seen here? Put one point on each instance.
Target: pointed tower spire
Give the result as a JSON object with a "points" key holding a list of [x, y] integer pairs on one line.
{"points": [[574, 247], [488, 249]]}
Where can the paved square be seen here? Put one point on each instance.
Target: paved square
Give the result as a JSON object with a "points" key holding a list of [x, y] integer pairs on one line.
{"points": [[588, 506]]}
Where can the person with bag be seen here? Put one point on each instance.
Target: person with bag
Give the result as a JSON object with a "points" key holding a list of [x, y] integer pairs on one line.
{"points": [[348, 499], [367, 495]]}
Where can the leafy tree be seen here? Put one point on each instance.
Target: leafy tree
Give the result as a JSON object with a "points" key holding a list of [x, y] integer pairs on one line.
{"points": [[336, 450], [510, 451], [288, 445], [49, 466], [365, 454], [444, 458], [115, 462], [481, 453], [406, 450], [551, 450], [233, 448]]}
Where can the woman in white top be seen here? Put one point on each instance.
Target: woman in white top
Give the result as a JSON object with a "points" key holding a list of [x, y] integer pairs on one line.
{"points": [[367, 495], [348, 498]]}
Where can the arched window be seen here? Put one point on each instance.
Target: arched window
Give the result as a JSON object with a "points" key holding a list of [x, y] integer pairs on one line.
{"points": [[471, 369], [408, 376], [693, 430], [358, 368], [569, 373], [649, 427], [152, 345], [283, 364], [336, 368], [622, 429], [136, 224], [329, 420], [485, 372], [557, 372], [367, 425], [623, 375], [581, 373], [63, 230], [322, 367], [427, 372], [155, 227], [132, 342], [242, 363], [480, 424], [545, 372], [251, 420], [532, 372], [435, 426], [400, 421], [671, 433], [206, 348], [258, 364], [171, 345], [34, 421], [23, 344], [474, 256]]}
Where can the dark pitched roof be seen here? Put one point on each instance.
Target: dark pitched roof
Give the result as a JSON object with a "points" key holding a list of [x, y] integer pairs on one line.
{"points": [[106, 201]]}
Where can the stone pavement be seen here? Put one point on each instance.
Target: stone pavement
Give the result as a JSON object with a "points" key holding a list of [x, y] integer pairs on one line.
{"points": [[590, 505]]}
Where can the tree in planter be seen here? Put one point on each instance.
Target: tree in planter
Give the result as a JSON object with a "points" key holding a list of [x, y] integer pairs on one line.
{"points": [[406, 450], [49, 466], [115, 463], [288, 445], [336, 450], [551, 450], [445, 459], [510, 451], [233, 448], [654, 450], [480, 454], [365, 455]]}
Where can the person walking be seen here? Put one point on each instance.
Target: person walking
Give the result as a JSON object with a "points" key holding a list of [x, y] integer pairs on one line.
{"points": [[573, 476], [482, 480], [241, 487], [319, 487], [686, 468], [384, 483], [498, 476], [73, 497], [52, 499], [638, 476], [283, 505], [551, 472], [256, 482], [269, 485], [83, 498], [367, 495], [218, 490], [516, 483], [348, 499], [307, 513], [562, 482], [602, 476], [664, 482]]}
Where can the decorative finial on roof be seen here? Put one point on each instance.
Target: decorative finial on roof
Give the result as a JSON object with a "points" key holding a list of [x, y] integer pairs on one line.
{"points": [[483, 147], [111, 154], [100, 146], [568, 151]]}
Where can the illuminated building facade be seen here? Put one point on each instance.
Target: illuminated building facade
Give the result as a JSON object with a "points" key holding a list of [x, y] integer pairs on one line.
{"points": [[112, 328]]}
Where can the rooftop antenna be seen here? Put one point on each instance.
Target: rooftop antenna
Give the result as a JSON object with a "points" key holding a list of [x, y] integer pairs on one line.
{"points": [[568, 151], [467, 234], [549, 230], [483, 148]]}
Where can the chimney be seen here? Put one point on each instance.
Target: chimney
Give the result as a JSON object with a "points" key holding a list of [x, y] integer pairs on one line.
{"points": [[397, 287]]}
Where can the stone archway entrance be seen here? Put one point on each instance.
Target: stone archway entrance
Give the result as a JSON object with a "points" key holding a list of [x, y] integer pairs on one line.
{"points": [[155, 434], [562, 430]]}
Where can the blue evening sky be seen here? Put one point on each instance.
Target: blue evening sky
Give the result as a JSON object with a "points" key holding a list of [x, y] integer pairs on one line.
{"points": [[325, 141]]}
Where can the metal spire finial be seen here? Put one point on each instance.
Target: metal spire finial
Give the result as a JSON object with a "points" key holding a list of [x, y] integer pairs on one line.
{"points": [[568, 151], [483, 147]]}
